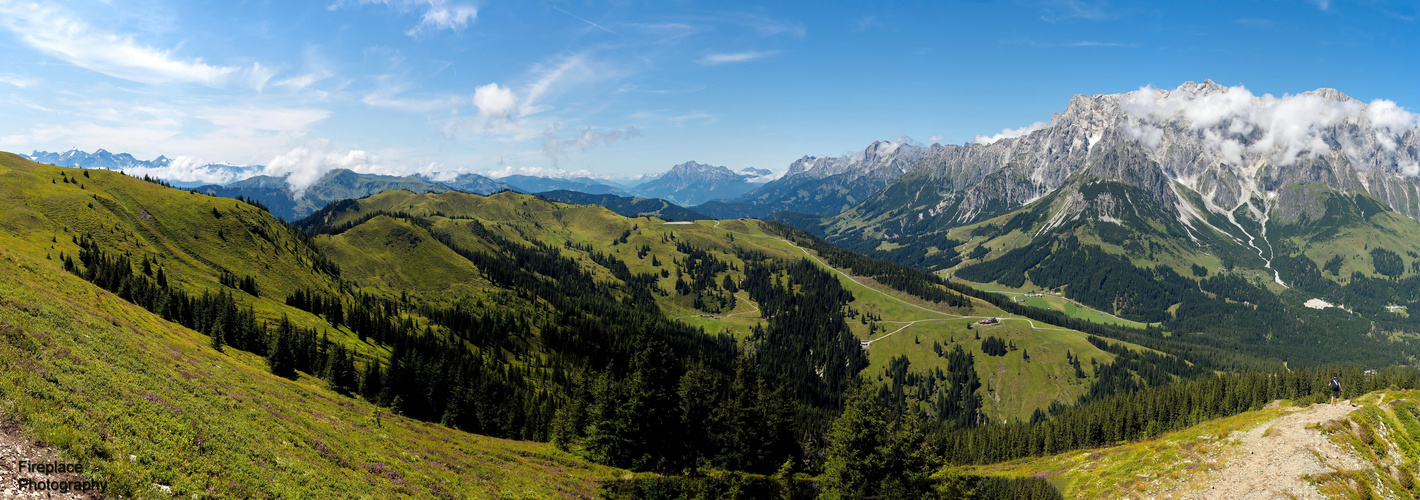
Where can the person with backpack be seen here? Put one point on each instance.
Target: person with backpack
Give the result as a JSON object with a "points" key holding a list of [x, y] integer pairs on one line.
{"points": [[1335, 388]]}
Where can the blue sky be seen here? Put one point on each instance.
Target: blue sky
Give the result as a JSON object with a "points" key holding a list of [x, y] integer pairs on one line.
{"points": [[625, 88]]}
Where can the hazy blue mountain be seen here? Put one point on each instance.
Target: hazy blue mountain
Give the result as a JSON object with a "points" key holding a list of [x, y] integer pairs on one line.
{"points": [[627, 206], [693, 183], [531, 184]]}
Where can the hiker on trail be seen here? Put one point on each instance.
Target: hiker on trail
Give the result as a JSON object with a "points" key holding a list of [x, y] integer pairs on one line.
{"points": [[1335, 389]]}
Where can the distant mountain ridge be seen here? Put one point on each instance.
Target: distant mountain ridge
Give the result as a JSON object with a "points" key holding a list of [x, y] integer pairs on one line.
{"points": [[627, 206], [827, 185], [103, 159], [339, 184], [693, 183], [531, 185]]}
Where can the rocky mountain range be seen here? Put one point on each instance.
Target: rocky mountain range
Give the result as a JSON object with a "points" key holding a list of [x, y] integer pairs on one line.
{"points": [[1231, 148], [828, 185], [693, 183], [179, 172], [1202, 209]]}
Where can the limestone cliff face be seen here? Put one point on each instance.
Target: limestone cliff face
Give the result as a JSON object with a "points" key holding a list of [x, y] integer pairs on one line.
{"points": [[1234, 149]]}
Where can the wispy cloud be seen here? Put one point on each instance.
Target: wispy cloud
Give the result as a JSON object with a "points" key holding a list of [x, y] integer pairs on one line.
{"points": [[862, 24], [12, 79], [437, 14], [735, 57], [554, 146], [60, 33], [768, 26], [1092, 43], [1010, 133], [523, 113], [580, 18], [678, 119], [1092, 10], [270, 119], [1074, 44], [392, 97], [1321, 4]]}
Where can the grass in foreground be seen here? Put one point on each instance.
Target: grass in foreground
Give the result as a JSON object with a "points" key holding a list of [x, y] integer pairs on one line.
{"points": [[144, 404]]}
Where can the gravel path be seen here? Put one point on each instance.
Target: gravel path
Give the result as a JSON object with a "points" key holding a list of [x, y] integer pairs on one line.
{"points": [[1272, 465], [14, 447]]}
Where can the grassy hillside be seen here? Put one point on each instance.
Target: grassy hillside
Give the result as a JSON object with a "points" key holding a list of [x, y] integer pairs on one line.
{"points": [[903, 325], [146, 405]]}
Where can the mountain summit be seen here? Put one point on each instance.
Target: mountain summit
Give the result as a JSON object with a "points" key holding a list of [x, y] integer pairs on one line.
{"points": [[693, 183]]}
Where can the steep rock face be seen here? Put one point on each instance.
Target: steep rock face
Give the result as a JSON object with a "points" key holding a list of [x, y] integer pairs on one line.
{"points": [[1230, 147]]}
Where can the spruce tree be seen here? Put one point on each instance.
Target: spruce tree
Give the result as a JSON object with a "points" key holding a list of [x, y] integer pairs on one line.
{"points": [[282, 358], [217, 334]]}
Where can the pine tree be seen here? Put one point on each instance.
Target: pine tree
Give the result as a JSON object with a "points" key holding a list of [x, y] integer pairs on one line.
{"points": [[370, 383], [340, 370], [282, 358], [217, 334]]}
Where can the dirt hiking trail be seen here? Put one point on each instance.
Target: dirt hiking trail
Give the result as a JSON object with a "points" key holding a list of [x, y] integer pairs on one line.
{"points": [[15, 447], [1272, 458]]}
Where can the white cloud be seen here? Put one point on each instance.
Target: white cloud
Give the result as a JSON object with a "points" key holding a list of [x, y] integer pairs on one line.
{"points": [[495, 102], [59, 33], [1241, 126], [189, 169], [1390, 121], [555, 173], [1410, 168], [734, 57], [936, 138], [304, 165], [1010, 133]]}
